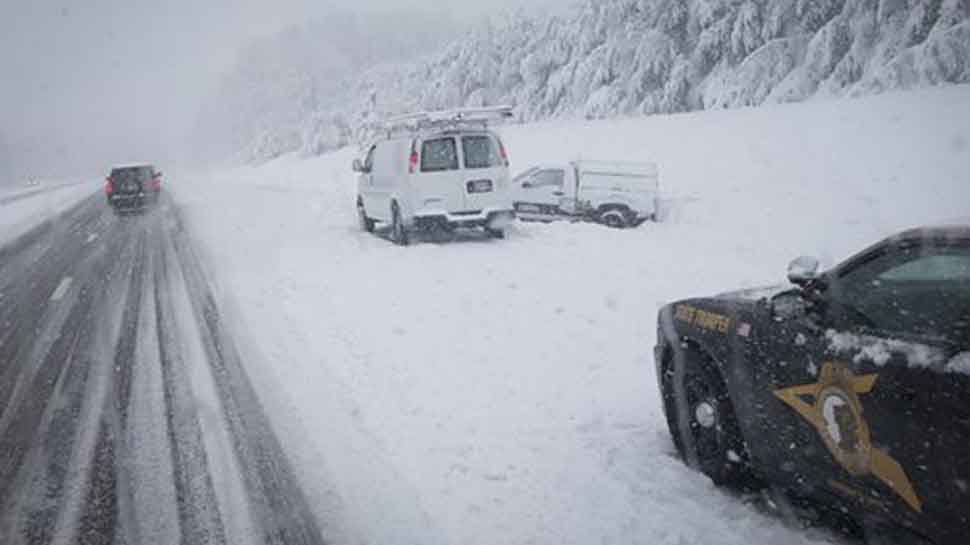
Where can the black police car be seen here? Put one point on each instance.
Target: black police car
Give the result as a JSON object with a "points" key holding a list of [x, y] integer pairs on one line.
{"points": [[852, 388]]}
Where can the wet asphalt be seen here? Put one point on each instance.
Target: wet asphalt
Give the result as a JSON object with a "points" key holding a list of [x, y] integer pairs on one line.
{"points": [[126, 413]]}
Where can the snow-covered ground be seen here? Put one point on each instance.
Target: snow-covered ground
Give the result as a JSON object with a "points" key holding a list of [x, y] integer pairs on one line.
{"points": [[37, 205], [23, 188], [481, 392]]}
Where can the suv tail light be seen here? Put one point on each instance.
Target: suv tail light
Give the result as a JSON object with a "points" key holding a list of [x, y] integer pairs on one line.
{"points": [[157, 183], [108, 186]]}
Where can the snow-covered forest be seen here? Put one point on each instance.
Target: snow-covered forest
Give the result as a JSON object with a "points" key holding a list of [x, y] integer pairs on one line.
{"points": [[279, 83], [600, 58]]}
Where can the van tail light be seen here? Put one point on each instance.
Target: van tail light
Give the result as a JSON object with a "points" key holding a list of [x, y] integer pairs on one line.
{"points": [[109, 187], [413, 162], [501, 151]]}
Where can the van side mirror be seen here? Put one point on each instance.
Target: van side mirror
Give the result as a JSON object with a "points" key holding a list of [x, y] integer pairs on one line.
{"points": [[803, 270], [527, 185], [358, 166]]}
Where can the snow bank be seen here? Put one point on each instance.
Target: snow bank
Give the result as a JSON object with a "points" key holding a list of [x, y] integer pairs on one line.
{"points": [[504, 391], [23, 214]]}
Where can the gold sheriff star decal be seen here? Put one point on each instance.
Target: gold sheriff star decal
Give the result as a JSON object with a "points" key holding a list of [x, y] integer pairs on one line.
{"points": [[836, 413]]}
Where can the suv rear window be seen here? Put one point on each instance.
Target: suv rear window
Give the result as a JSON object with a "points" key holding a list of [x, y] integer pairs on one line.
{"points": [[438, 155], [480, 151], [137, 174]]}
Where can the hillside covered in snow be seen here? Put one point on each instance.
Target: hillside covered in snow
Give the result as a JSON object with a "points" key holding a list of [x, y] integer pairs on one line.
{"points": [[261, 107], [605, 58], [504, 392]]}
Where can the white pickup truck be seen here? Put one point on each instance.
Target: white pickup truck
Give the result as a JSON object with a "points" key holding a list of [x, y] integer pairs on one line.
{"points": [[618, 194]]}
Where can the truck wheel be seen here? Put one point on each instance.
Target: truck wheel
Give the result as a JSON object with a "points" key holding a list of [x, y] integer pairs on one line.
{"points": [[399, 234], [702, 420], [613, 217], [366, 224], [495, 233]]}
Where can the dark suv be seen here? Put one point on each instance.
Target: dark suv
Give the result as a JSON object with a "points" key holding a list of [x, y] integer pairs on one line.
{"points": [[133, 187]]}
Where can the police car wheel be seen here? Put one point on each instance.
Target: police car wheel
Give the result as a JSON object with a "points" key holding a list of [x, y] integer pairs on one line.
{"points": [[715, 438]]}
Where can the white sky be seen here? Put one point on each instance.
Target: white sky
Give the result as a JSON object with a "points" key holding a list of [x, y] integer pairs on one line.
{"points": [[117, 80]]}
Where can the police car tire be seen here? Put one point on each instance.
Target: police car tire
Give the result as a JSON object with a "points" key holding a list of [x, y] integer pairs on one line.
{"points": [[719, 451]]}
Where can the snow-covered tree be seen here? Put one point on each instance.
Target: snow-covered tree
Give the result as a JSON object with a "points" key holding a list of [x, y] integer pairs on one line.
{"points": [[604, 58]]}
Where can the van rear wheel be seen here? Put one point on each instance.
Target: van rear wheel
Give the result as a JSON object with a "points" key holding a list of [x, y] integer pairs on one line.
{"points": [[366, 224], [399, 234]]}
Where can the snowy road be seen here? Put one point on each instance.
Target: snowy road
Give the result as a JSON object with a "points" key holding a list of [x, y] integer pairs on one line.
{"points": [[14, 196], [126, 415]]}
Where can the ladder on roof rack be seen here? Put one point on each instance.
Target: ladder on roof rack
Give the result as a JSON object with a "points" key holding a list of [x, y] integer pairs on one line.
{"points": [[459, 118]]}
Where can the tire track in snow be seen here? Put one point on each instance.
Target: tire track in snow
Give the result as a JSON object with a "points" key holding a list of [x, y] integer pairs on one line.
{"points": [[90, 400], [199, 516], [32, 413], [149, 465], [277, 502], [26, 306], [93, 469], [109, 516], [104, 438], [49, 429], [99, 520]]}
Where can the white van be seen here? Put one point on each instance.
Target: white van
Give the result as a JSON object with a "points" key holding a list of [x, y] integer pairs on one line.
{"points": [[615, 193], [440, 170]]}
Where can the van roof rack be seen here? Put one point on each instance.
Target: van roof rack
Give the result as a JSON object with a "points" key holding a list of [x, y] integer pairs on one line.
{"points": [[447, 119]]}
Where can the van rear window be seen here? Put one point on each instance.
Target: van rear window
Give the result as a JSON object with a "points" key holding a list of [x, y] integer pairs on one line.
{"points": [[438, 155], [480, 152]]}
